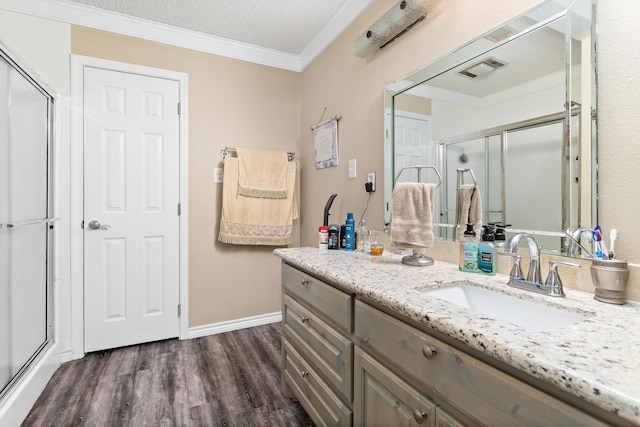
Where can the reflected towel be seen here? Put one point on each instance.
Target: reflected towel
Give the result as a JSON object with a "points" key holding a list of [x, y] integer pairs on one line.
{"points": [[412, 215], [263, 173], [252, 220], [469, 205]]}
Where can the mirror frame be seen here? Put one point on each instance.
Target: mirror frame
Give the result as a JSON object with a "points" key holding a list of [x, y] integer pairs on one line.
{"points": [[549, 12]]}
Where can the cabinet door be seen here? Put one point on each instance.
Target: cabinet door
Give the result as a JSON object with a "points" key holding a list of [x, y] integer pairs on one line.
{"points": [[383, 399], [443, 419]]}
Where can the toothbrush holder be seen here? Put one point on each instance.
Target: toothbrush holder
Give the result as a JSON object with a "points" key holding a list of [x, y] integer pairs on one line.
{"points": [[610, 279]]}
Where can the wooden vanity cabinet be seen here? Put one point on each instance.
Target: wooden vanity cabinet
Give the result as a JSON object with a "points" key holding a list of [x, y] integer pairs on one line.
{"points": [[350, 363], [478, 391], [317, 353]]}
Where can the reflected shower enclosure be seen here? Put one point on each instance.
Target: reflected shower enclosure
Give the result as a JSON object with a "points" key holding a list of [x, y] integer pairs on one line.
{"points": [[26, 111]]}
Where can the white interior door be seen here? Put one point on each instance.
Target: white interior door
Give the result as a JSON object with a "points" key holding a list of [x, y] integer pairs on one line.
{"points": [[131, 217]]}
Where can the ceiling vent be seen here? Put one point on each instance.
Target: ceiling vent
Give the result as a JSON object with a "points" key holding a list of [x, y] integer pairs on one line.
{"points": [[501, 34], [487, 66]]}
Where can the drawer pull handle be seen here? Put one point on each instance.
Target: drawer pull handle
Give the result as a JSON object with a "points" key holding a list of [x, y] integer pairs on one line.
{"points": [[304, 319], [429, 351], [304, 282], [304, 374], [419, 416]]}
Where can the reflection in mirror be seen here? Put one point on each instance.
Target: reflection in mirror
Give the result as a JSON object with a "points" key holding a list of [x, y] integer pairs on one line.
{"points": [[513, 112]]}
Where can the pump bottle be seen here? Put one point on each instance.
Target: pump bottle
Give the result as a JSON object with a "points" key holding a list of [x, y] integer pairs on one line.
{"points": [[486, 251], [469, 251]]}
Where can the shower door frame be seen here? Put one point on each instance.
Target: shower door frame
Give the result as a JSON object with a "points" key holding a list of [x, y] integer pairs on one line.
{"points": [[29, 380], [502, 132]]}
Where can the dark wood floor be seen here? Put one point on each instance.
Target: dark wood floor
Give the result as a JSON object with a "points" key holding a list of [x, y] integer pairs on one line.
{"points": [[230, 379]]}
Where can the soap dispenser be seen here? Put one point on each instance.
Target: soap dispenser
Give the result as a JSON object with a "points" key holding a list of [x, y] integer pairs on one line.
{"points": [[499, 236], [486, 251], [469, 251]]}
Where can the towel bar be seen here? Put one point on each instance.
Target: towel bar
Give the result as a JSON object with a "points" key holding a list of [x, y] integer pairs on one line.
{"points": [[226, 151], [419, 168]]}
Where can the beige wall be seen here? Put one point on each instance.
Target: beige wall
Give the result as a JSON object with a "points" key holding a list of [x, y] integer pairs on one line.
{"points": [[231, 103], [353, 87]]}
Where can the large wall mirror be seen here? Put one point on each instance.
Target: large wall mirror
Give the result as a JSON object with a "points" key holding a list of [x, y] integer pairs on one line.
{"points": [[513, 112]]}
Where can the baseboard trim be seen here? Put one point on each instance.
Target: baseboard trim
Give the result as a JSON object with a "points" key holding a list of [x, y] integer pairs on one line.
{"points": [[234, 325]]}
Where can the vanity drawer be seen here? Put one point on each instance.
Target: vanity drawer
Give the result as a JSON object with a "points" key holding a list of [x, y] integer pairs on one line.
{"points": [[322, 405], [336, 305], [483, 392], [325, 348]]}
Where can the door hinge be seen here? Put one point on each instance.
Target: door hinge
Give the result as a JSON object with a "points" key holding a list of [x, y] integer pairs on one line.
{"points": [[179, 209], [82, 224], [179, 108], [179, 310]]}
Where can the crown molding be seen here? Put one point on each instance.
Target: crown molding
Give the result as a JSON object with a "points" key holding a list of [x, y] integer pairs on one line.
{"points": [[336, 25], [86, 16]]}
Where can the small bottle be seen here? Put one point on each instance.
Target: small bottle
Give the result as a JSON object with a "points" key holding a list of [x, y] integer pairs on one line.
{"points": [[469, 251], [349, 233], [323, 238], [334, 236], [486, 251], [362, 236]]}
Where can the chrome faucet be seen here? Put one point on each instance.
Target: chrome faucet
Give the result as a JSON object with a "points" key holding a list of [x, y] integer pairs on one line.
{"points": [[511, 249], [574, 246], [552, 286]]}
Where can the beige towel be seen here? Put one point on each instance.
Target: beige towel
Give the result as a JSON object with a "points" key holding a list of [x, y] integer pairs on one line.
{"points": [[412, 215], [469, 205], [263, 173], [253, 220]]}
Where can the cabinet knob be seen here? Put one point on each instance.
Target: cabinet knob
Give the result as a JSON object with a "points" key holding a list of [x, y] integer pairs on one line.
{"points": [[304, 374], [304, 319], [419, 415], [304, 282], [429, 351]]}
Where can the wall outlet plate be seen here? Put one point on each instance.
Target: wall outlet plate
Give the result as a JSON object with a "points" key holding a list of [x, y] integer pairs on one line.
{"points": [[371, 177]]}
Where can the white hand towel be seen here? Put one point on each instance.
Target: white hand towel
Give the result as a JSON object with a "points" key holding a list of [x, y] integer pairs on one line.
{"points": [[412, 214]]}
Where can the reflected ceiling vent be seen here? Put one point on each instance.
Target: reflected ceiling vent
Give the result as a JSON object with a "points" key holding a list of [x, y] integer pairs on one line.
{"points": [[501, 33], [487, 66]]}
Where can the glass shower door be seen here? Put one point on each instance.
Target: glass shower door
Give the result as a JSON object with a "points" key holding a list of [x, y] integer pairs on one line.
{"points": [[25, 131]]}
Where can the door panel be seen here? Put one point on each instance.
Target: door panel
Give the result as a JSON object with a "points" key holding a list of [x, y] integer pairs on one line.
{"points": [[131, 191]]}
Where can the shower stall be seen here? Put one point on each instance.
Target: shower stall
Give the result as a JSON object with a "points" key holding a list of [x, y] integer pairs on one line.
{"points": [[26, 221], [538, 162]]}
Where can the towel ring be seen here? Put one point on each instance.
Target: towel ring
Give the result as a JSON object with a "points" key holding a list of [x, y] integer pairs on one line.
{"points": [[419, 168]]}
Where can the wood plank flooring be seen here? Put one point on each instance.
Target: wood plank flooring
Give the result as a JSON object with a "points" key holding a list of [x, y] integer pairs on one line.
{"points": [[229, 379]]}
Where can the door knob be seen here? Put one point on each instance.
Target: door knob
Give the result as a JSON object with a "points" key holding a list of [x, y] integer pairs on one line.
{"points": [[95, 225]]}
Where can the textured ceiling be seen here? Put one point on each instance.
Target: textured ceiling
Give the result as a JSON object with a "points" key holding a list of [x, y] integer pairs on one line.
{"points": [[282, 25]]}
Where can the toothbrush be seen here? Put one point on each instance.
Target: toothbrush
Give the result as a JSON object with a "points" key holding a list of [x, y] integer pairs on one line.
{"points": [[600, 250], [613, 236]]}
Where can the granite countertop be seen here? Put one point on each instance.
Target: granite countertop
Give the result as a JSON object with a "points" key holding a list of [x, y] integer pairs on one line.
{"points": [[597, 359]]}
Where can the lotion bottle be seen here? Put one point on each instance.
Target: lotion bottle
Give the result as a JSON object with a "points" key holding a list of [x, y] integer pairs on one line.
{"points": [[486, 251], [469, 251]]}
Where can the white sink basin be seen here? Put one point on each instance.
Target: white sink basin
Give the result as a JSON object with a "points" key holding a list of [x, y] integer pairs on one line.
{"points": [[529, 315]]}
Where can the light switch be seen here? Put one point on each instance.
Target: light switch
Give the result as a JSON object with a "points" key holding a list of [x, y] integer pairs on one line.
{"points": [[352, 168], [217, 175]]}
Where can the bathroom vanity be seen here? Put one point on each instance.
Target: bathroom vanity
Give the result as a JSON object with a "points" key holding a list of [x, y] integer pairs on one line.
{"points": [[365, 342]]}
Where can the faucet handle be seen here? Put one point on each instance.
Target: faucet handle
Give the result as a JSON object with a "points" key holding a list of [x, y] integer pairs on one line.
{"points": [[553, 279], [516, 270]]}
